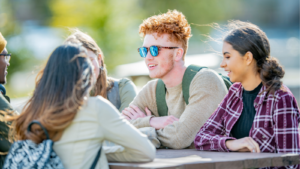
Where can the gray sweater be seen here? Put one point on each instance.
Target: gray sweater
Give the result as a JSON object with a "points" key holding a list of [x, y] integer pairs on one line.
{"points": [[207, 90]]}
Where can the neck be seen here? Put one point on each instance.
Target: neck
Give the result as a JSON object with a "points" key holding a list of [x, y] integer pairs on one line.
{"points": [[174, 77], [251, 82]]}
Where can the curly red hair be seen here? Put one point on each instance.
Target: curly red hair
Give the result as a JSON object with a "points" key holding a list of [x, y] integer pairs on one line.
{"points": [[173, 23]]}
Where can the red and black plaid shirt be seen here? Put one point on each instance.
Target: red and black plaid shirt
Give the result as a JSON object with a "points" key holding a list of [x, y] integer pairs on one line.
{"points": [[275, 125]]}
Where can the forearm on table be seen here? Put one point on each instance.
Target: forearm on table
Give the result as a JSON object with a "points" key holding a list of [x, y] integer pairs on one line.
{"points": [[129, 156], [209, 141], [141, 122], [181, 134]]}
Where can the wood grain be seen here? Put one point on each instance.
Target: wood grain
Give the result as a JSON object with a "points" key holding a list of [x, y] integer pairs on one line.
{"points": [[193, 159]]}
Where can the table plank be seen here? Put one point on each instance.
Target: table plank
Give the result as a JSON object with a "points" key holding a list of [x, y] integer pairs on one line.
{"points": [[192, 159]]}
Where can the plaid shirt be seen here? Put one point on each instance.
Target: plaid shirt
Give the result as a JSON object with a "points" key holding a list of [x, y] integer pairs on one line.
{"points": [[275, 126]]}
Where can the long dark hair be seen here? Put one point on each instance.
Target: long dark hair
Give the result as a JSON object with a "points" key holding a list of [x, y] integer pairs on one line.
{"points": [[59, 94], [247, 37]]}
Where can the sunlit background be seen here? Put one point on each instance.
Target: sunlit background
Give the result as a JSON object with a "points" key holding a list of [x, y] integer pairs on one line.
{"points": [[33, 28]]}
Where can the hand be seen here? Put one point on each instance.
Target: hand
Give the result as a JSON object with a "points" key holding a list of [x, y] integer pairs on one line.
{"points": [[161, 122], [246, 144], [133, 112]]}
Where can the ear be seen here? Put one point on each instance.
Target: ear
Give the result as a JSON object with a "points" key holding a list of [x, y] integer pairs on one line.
{"points": [[248, 58], [179, 54]]}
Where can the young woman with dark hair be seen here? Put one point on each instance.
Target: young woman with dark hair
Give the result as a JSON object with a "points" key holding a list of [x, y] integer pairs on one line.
{"points": [[259, 113], [120, 92], [77, 122]]}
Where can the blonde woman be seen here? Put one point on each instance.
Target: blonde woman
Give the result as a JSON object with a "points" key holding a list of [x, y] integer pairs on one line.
{"points": [[120, 92]]}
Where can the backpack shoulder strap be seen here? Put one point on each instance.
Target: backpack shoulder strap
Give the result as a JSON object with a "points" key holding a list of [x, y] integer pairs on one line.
{"points": [[161, 103], [188, 76], [96, 159], [37, 122]]}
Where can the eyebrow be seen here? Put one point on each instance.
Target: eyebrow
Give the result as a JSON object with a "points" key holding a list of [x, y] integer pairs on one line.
{"points": [[226, 53]]}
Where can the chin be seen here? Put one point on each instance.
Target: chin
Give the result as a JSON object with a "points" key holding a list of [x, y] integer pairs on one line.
{"points": [[153, 76], [234, 80]]}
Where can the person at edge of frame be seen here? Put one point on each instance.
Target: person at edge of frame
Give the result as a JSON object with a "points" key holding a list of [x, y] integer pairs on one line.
{"points": [[4, 101], [259, 113]]}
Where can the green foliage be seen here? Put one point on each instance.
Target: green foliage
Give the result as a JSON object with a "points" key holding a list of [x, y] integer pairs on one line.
{"points": [[197, 12], [22, 58], [109, 22], [114, 24]]}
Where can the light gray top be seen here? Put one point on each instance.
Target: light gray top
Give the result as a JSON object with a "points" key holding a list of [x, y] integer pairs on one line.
{"points": [[99, 120]]}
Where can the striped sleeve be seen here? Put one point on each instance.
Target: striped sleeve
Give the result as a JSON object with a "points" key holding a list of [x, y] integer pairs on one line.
{"points": [[286, 120], [211, 135]]}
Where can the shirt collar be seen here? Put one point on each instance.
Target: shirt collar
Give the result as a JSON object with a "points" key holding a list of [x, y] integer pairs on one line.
{"points": [[261, 95], [259, 98]]}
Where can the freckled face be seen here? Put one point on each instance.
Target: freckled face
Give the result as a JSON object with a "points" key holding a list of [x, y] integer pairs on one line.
{"points": [[233, 62], [163, 63]]}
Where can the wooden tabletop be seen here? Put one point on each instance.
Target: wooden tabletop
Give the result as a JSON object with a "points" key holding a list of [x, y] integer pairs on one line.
{"points": [[193, 159]]}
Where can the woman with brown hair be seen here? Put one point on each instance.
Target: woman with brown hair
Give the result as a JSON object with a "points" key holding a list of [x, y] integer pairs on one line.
{"points": [[76, 122], [119, 92], [259, 113]]}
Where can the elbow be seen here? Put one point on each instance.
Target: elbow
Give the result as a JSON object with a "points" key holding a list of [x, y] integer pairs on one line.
{"points": [[151, 155], [198, 146], [148, 155], [198, 143]]}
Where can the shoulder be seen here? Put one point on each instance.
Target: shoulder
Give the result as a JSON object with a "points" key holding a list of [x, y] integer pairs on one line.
{"points": [[284, 97], [150, 86], [124, 82], [206, 75], [126, 85], [207, 78], [98, 102], [147, 94], [4, 104], [285, 105], [101, 108]]}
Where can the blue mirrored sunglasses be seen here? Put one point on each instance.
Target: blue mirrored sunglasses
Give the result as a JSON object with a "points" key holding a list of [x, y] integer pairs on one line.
{"points": [[153, 50]]}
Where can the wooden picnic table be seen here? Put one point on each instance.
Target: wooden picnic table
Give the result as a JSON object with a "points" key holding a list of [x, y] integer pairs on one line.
{"points": [[193, 159]]}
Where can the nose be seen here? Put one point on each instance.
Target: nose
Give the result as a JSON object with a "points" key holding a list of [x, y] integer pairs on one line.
{"points": [[223, 63], [149, 56]]}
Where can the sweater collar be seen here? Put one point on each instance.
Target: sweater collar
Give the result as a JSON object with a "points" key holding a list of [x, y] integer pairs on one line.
{"points": [[260, 98]]}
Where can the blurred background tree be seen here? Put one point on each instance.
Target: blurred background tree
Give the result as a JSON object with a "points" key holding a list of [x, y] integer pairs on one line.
{"points": [[34, 28]]}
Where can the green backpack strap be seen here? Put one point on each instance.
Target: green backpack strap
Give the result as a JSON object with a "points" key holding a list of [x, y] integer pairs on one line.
{"points": [[161, 103], [188, 76]]}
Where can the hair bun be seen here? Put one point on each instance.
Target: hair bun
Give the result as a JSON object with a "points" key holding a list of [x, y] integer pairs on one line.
{"points": [[271, 73]]}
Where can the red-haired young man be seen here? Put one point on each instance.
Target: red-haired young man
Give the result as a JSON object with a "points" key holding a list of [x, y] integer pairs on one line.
{"points": [[165, 45]]}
